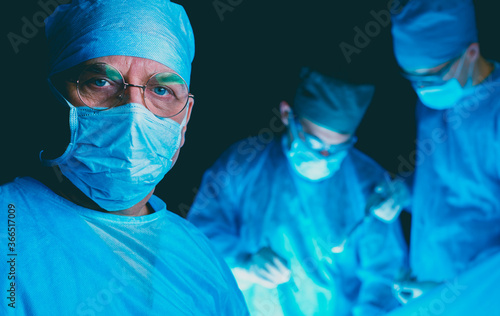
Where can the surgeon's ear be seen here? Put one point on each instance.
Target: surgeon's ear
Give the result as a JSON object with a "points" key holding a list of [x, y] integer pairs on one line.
{"points": [[189, 108], [473, 52], [285, 111]]}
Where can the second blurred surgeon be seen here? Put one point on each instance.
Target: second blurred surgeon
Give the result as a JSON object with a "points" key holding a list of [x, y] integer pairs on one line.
{"points": [[278, 216], [455, 204]]}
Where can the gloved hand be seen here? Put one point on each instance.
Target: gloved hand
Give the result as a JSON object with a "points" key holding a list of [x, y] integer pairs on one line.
{"points": [[389, 199], [267, 268], [410, 289]]}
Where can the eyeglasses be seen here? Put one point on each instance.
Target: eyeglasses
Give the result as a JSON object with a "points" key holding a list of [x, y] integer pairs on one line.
{"points": [[102, 86], [316, 144], [433, 79]]}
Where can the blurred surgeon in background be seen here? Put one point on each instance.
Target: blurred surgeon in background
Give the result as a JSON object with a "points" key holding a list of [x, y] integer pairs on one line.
{"points": [[92, 237], [283, 214], [456, 185]]}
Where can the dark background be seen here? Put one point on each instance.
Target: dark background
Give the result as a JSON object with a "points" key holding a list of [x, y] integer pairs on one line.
{"points": [[245, 64]]}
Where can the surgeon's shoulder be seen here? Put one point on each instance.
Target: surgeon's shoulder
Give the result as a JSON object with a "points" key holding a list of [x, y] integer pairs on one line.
{"points": [[487, 92], [492, 82], [19, 188], [9, 186], [365, 165], [21, 195]]}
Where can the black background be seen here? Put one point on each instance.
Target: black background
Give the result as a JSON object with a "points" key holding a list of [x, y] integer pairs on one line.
{"points": [[245, 64]]}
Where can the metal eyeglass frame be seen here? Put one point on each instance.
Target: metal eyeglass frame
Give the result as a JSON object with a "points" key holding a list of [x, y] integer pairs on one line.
{"points": [[125, 85]]}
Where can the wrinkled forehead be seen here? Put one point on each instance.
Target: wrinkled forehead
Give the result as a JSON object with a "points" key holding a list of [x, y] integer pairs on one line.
{"points": [[129, 65]]}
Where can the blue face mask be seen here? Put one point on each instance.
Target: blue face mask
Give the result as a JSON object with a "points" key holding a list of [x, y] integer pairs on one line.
{"points": [[117, 156], [445, 96], [309, 163]]}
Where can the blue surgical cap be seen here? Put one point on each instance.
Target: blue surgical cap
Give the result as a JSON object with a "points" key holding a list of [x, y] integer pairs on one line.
{"points": [[331, 103], [154, 29], [428, 33]]}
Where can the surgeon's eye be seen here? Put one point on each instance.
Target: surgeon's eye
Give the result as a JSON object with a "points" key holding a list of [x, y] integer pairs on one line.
{"points": [[101, 82], [97, 83], [161, 90], [314, 142]]}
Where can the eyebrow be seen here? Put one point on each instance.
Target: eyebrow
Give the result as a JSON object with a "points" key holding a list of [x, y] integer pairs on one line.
{"points": [[443, 66]]}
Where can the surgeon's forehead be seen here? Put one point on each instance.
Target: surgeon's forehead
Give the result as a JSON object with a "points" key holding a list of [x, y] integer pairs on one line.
{"points": [[130, 63]]}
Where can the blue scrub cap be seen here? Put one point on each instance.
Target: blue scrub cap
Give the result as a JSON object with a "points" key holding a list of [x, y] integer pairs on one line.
{"points": [[428, 33], [331, 103], [154, 29]]}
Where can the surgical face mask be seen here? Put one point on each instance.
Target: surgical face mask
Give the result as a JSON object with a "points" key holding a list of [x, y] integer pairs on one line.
{"points": [[445, 96], [117, 156], [309, 163]]}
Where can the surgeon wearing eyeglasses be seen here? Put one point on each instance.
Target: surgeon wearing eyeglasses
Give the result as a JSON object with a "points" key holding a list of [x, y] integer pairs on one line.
{"points": [[280, 212], [455, 204], [91, 236]]}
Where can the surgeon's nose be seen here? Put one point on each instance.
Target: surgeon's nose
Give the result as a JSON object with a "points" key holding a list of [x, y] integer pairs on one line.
{"points": [[133, 94], [324, 153]]}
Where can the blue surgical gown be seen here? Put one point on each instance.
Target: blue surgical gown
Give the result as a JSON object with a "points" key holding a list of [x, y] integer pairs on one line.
{"points": [[70, 260], [251, 198], [456, 200]]}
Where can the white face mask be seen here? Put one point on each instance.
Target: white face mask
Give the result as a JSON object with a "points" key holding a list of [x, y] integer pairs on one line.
{"points": [[311, 166], [309, 163]]}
